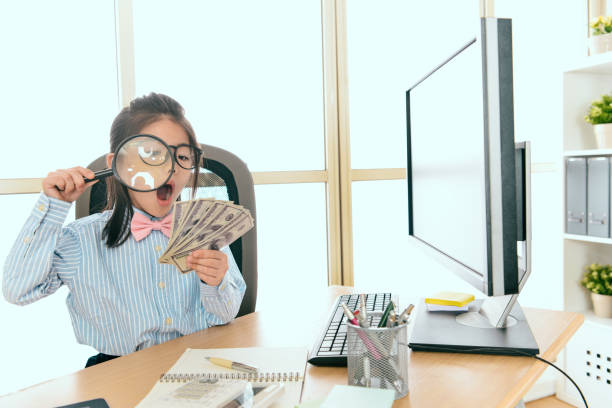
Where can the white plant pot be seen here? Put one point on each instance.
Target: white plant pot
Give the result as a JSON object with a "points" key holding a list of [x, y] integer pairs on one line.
{"points": [[603, 135], [600, 43], [602, 304]]}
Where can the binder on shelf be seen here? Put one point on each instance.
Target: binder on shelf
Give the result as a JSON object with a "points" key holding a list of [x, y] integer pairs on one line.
{"points": [[576, 195], [598, 197]]}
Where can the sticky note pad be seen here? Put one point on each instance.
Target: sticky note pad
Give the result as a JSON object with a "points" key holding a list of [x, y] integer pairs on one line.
{"points": [[432, 307], [450, 299], [342, 396]]}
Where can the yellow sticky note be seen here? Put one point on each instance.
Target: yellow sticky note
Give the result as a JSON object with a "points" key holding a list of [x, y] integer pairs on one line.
{"points": [[450, 299]]}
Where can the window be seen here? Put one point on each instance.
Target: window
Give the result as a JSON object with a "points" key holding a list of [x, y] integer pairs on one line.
{"points": [[249, 75], [396, 43], [59, 94]]}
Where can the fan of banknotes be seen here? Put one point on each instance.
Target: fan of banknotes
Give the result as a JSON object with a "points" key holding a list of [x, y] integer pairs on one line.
{"points": [[205, 223]]}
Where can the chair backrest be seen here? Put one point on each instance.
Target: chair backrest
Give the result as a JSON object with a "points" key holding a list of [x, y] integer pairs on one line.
{"points": [[223, 176]]}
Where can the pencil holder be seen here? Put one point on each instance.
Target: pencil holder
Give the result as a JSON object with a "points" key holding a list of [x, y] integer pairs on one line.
{"points": [[378, 357]]}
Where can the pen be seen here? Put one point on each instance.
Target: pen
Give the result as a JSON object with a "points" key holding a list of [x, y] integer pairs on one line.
{"points": [[372, 336], [385, 316], [349, 315], [395, 375], [362, 322], [232, 365], [362, 306], [364, 337], [404, 316], [366, 372], [372, 342], [392, 319]]}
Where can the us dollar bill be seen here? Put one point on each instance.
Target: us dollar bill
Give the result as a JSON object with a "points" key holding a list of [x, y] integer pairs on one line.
{"points": [[223, 236], [211, 214], [192, 219], [204, 224], [189, 214], [217, 241]]}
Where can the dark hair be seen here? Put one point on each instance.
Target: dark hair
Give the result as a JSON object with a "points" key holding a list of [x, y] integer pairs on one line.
{"points": [[130, 121]]}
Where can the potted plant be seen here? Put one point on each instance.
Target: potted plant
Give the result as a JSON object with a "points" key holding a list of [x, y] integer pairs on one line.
{"points": [[598, 279], [601, 35], [600, 116]]}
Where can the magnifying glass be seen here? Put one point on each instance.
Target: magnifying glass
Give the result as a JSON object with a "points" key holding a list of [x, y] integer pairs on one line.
{"points": [[141, 163]]}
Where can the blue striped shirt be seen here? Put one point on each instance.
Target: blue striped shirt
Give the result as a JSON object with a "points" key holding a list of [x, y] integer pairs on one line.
{"points": [[121, 299]]}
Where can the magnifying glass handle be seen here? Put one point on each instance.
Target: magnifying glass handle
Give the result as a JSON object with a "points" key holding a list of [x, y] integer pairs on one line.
{"points": [[98, 175]]}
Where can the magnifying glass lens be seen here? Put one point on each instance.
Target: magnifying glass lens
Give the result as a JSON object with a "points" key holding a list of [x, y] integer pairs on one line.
{"points": [[144, 163], [153, 153]]}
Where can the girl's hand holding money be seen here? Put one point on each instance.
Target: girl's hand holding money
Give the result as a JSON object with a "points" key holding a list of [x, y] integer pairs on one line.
{"points": [[210, 265]]}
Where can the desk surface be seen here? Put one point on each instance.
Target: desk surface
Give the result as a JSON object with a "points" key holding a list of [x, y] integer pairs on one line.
{"points": [[435, 379]]}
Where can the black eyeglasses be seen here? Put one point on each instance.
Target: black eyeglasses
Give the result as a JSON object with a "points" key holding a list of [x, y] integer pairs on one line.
{"points": [[187, 156]]}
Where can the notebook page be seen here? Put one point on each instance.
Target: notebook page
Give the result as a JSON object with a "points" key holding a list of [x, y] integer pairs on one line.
{"points": [[268, 360]]}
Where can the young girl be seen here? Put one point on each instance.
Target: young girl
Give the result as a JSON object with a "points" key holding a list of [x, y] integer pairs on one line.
{"points": [[121, 299]]}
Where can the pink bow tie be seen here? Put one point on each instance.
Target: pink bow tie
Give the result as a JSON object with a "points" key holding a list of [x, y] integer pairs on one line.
{"points": [[142, 226]]}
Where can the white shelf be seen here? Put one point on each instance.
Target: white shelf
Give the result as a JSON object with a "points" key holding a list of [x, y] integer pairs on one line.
{"points": [[585, 80], [590, 317], [595, 64], [589, 152], [586, 238]]}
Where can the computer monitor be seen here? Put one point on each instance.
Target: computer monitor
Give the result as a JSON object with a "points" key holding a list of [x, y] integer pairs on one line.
{"points": [[469, 193]]}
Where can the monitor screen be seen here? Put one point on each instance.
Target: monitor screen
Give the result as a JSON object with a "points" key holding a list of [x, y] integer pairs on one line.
{"points": [[462, 178], [448, 169]]}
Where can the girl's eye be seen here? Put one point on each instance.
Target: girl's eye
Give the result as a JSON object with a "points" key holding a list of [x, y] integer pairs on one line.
{"points": [[183, 158]]}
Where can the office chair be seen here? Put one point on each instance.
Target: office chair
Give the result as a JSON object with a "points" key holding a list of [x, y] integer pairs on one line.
{"points": [[222, 176]]}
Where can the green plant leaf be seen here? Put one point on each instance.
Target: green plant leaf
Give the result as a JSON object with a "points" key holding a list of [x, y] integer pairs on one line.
{"points": [[598, 279]]}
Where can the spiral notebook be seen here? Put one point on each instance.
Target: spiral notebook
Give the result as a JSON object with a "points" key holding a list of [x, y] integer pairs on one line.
{"points": [[286, 365]]}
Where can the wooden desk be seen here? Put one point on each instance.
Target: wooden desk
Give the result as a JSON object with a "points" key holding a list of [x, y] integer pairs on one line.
{"points": [[435, 379]]}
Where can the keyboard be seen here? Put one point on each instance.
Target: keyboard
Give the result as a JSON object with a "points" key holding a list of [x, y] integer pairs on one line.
{"points": [[330, 347]]}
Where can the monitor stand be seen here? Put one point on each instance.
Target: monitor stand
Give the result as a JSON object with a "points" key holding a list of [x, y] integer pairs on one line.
{"points": [[495, 325], [494, 313]]}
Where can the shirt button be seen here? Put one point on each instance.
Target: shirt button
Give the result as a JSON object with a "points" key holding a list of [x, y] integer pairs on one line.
{"points": [[223, 286], [168, 321], [41, 207], [157, 248], [26, 239], [161, 285]]}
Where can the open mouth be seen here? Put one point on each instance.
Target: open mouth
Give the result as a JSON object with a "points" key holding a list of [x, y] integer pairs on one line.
{"points": [[164, 193]]}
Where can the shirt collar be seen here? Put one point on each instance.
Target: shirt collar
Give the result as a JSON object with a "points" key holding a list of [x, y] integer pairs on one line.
{"points": [[152, 218]]}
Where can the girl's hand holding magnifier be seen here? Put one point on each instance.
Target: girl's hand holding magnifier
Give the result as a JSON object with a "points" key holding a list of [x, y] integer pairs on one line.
{"points": [[145, 163], [67, 184]]}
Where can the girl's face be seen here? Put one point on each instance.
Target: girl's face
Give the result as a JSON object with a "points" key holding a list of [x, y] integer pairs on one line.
{"points": [[158, 203]]}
